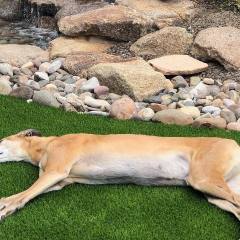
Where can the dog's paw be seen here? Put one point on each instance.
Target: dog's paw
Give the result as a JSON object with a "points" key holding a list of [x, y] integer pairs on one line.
{"points": [[7, 210], [2, 203]]}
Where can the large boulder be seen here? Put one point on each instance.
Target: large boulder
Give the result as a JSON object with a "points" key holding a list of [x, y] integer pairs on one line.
{"points": [[75, 64], [115, 22], [163, 13], [178, 65], [134, 78], [167, 41], [64, 46], [18, 54], [221, 44], [79, 7]]}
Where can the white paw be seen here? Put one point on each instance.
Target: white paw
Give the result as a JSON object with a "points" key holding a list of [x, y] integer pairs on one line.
{"points": [[2, 203], [6, 211]]}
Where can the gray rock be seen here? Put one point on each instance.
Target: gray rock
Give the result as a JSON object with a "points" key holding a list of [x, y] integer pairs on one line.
{"points": [[228, 102], [22, 92], [34, 85], [166, 99], [153, 99], [46, 98], [186, 103], [234, 96], [6, 69], [59, 83], [69, 88], [228, 115], [179, 82], [70, 80], [236, 109], [99, 113], [194, 80], [183, 94], [75, 101], [43, 83], [214, 90]]}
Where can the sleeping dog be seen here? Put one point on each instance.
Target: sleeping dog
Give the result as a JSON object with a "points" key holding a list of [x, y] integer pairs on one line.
{"points": [[210, 165]]}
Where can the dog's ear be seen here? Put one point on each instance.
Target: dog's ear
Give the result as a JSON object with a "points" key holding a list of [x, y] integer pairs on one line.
{"points": [[30, 133]]}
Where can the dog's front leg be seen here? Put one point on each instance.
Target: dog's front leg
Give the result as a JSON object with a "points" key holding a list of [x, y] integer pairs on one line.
{"points": [[11, 204]]}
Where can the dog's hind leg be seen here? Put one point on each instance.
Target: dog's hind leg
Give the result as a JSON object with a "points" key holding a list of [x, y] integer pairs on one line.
{"points": [[209, 168], [225, 205]]}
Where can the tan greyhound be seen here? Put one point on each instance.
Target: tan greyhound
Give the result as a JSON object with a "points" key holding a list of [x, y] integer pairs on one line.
{"points": [[210, 165]]}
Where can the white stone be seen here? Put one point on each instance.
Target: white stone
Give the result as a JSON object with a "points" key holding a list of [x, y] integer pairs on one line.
{"points": [[200, 91], [192, 111], [211, 109], [90, 84], [97, 103], [6, 69], [38, 76], [54, 66], [146, 114]]}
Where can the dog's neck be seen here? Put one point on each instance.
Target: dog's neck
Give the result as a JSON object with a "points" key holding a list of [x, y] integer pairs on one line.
{"points": [[36, 148]]}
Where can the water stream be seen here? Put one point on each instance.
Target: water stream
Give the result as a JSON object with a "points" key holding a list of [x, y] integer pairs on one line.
{"points": [[25, 33]]}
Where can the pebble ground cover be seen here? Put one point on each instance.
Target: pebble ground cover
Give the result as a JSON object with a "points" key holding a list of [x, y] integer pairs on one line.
{"points": [[109, 211]]}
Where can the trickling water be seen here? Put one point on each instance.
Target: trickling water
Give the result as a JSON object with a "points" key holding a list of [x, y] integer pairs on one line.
{"points": [[26, 33], [29, 30]]}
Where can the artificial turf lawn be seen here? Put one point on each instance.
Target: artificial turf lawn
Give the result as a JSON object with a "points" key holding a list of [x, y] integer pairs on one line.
{"points": [[109, 211]]}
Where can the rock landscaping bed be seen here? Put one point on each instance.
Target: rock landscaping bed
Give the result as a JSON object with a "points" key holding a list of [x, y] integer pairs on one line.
{"points": [[147, 60]]}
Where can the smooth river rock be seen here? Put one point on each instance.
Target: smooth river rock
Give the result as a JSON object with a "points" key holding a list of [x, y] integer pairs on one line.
{"points": [[173, 116]]}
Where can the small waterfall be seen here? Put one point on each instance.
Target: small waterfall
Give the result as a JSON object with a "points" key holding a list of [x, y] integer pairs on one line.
{"points": [[32, 12]]}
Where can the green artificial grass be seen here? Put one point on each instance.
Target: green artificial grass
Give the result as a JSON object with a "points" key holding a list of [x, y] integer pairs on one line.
{"points": [[109, 211]]}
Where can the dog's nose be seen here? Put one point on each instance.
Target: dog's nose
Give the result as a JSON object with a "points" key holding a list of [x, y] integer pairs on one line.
{"points": [[1, 153]]}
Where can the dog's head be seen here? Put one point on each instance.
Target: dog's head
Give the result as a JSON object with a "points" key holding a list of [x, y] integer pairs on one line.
{"points": [[13, 148]]}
